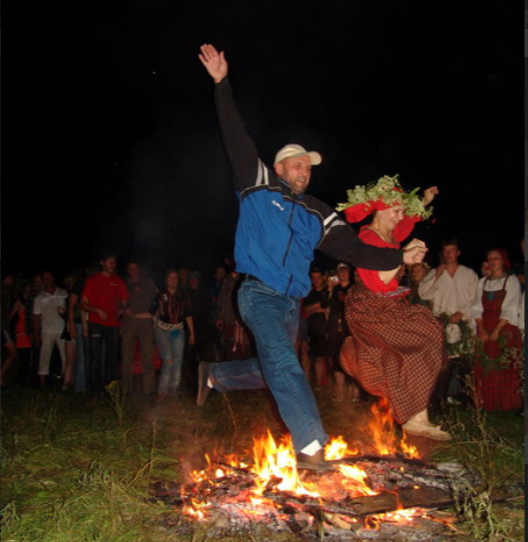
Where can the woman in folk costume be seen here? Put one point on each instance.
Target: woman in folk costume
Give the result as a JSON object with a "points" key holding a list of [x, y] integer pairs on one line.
{"points": [[495, 313], [395, 349]]}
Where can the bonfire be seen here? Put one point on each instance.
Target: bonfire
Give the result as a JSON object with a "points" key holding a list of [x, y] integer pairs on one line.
{"points": [[389, 488]]}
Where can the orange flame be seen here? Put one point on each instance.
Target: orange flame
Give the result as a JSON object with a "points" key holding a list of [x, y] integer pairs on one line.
{"points": [[408, 449], [271, 461], [384, 434], [337, 448], [382, 428]]}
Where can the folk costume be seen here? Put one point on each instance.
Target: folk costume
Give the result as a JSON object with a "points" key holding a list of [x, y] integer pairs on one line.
{"points": [[395, 350], [497, 375]]}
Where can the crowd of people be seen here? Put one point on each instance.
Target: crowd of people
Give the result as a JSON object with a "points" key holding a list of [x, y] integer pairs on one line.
{"points": [[383, 323], [99, 327], [96, 327]]}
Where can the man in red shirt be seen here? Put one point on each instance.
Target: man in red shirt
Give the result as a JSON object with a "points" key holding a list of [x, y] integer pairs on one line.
{"points": [[104, 297]]}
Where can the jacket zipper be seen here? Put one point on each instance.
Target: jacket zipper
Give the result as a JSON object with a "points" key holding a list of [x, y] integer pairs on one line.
{"points": [[288, 246]]}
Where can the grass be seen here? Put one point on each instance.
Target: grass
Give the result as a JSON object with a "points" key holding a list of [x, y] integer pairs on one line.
{"points": [[76, 471], [489, 446]]}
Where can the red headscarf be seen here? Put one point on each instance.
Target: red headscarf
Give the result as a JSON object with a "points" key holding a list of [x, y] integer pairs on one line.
{"points": [[356, 213]]}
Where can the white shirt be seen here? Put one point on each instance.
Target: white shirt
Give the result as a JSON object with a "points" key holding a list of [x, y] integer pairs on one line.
{"points": [[46, 305], [448, 293], [510, 305]]}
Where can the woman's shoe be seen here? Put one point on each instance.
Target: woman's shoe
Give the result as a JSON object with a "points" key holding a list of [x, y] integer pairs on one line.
{"points": [[415, 428]]}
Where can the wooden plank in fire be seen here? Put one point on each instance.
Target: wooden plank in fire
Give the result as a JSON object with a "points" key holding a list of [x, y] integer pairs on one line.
{"points": [[404, 472], [397, 458], [368, 505], [429, 497]]}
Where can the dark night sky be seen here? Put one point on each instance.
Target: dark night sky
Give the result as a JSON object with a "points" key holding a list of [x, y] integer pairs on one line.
{"points": [[113, 141]]}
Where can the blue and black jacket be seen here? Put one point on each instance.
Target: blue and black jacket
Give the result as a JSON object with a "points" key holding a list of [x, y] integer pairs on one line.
{"points": [[278, 231]]}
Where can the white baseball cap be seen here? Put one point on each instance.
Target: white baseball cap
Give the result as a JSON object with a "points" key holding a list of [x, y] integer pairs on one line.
{"points": [[293, 150]]}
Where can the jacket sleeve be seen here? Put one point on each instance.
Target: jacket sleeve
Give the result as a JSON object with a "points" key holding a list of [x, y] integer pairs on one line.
{"points": [[247, 167], [341, 242]]}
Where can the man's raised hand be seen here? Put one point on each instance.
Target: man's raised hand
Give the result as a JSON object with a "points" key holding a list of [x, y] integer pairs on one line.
{"points": [[214, 62]]}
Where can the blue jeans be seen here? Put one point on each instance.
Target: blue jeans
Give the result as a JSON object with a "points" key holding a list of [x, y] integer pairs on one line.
{"points": [[170, 345], [273, 318]]}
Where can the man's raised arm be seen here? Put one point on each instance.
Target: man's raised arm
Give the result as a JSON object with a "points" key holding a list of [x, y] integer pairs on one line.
{"points": [[240, 148], [214, 62]]}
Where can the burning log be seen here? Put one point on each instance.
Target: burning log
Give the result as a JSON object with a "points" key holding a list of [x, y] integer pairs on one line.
{"points": [[415, 462], [405, 498], [369, 505], [399, 474], [291, 504]]}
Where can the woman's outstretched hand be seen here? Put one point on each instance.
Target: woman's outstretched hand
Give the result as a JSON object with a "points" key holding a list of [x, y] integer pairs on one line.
{"points": [[429, 194]]}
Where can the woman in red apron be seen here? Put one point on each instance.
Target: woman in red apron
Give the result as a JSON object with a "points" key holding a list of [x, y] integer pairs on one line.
{"points": [[495, 312], [394, 350]]}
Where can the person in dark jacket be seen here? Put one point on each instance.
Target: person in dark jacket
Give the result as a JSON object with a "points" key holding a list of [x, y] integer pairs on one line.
{"points": [[278, 229]]}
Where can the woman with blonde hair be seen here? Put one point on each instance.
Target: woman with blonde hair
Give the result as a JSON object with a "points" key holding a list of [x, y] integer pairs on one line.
{"points": [[395, 350]]}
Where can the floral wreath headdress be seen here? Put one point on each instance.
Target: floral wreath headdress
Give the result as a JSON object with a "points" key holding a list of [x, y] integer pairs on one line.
{"points": [[376, 196]]}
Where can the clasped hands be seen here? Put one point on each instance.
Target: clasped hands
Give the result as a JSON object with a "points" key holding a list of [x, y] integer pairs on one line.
{"points": [[414, 252]]}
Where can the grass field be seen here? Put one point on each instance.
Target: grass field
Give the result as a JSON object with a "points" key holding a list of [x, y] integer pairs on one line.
{"points": [[74, 470]]}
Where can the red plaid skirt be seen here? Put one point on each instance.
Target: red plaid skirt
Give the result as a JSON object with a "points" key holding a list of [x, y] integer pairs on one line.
{"points": [[395, 350]]}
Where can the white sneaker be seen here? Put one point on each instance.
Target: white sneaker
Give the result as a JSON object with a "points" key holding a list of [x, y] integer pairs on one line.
{"points": [[452, 401]]}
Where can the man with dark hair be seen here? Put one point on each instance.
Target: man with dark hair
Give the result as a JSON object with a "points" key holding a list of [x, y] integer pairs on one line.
{"points": [[137, 326], [200, 308], [236, 339], [279, 227], [451, 288], [104, 297], [316, 305], [337, 330], [79, 328], [49, 313]]}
